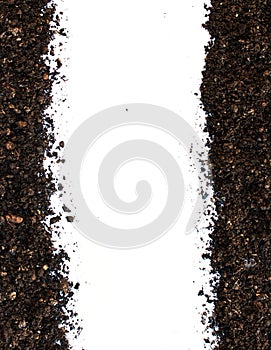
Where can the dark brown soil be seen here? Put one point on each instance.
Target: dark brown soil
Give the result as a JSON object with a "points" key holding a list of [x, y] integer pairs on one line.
{"points": [[236, 95], [34, 289]]}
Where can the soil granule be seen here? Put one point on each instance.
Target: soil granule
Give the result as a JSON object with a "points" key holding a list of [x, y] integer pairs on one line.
{"points": [[236, 96], [34, 288]]}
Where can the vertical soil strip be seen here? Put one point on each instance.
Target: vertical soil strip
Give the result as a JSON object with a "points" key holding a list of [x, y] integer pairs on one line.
{"points": [[34, 289], [236, 95]]}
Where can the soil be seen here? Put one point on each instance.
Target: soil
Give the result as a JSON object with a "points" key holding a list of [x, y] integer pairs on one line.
{"points": [[236, 95], [34, 285]]}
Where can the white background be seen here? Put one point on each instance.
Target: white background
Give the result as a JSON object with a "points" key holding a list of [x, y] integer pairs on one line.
{"points": [[143, 51]]}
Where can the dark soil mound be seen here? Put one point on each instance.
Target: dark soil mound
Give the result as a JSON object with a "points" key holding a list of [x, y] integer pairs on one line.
{"points": [[236, 95], [34, 288]]}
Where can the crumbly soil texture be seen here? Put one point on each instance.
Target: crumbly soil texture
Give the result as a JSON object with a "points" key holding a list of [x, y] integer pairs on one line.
{"points": [[34, 285], [236, 96]]}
